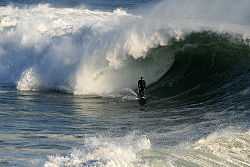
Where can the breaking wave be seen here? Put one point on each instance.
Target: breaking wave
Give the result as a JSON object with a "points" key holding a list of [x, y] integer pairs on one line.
{"points": [[82, 51], [205, 62], [76, 50]]}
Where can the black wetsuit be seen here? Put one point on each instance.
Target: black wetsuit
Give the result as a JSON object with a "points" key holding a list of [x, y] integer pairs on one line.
{"points": [[141, 87]]}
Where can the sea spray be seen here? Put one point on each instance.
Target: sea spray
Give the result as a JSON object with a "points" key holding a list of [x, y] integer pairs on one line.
{"points": [[84, 51], [105, 152]]}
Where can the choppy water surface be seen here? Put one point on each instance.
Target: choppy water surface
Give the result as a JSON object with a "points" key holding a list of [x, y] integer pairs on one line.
{"points": [[52, 129]]}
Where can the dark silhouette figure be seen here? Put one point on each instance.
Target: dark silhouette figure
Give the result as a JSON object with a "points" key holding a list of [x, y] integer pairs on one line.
{"points": [[141, 87]]}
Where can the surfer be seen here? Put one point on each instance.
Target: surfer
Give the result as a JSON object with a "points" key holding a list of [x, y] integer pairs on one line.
{"points": [[141, 87]]}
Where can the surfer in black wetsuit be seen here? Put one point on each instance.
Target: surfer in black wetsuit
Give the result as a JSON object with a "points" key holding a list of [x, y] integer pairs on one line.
{"points": [[141, 87]]}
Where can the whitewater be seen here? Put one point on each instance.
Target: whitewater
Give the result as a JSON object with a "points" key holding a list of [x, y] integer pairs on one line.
{"points": [[68, 79], [75, 49]]}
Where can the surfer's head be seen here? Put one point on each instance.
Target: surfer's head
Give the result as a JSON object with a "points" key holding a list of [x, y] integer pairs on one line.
{"points": [[141, 77]]}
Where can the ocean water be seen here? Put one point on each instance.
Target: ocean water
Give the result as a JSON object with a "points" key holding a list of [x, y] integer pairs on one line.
{"points": [[68, 83]]}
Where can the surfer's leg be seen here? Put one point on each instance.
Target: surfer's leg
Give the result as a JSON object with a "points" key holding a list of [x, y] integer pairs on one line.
{"points": [[142, 92]]}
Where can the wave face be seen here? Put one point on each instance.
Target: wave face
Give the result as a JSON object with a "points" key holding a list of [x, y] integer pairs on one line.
{"points": [[205, 62]]}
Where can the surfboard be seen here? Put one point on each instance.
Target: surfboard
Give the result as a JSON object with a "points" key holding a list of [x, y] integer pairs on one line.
{"points": [[141, 100]]}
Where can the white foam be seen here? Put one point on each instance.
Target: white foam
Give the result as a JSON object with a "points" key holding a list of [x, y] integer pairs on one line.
{"points": [[86, 51], [29, 81], [228, 147], [105, 152]]}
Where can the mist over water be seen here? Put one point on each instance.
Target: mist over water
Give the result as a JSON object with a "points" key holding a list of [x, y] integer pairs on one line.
{"points": [[65, 52], [69, 72]]}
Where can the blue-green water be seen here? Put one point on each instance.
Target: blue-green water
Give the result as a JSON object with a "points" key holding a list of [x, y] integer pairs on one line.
{"points": [[96, 131]]}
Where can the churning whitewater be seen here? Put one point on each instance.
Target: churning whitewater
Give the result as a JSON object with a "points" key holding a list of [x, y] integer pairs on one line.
{"points": [[76, 50], [68, 80]]}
